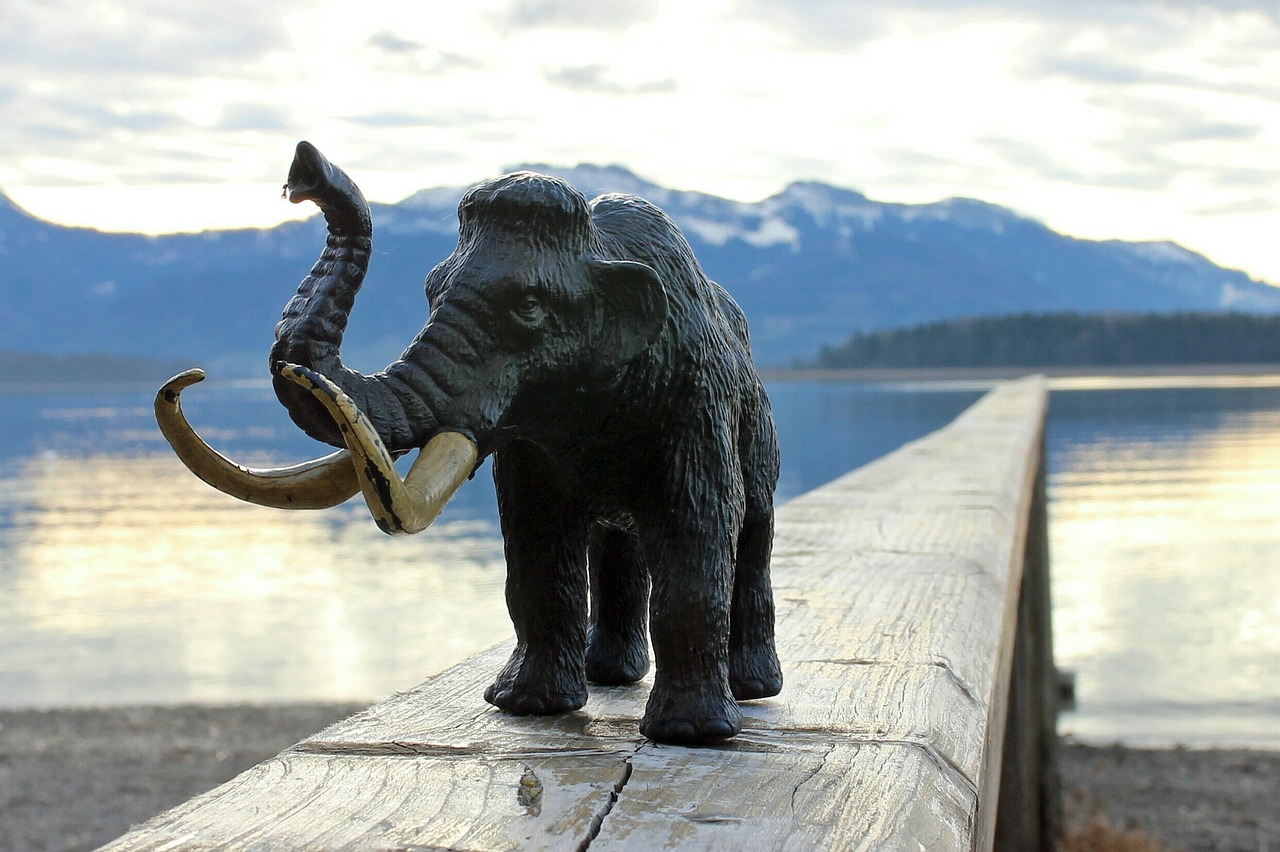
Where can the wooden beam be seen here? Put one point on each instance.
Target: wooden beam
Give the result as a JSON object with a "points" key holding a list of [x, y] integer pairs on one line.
{"points": [[898, 590]]}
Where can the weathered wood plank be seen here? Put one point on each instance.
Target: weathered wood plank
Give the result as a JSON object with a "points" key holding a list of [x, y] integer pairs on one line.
{"points": [[798, 794], [897, 589], [326, 801]]}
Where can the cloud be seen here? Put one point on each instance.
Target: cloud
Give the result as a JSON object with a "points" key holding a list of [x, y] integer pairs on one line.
{"points": [[96, 81], [609, 15], [68, 129], [419, 118], [832, 25], [599, 80], [1201, 131], [1240, 178], [1149, 147], [407, 55], [841, 26], [1076, 10], [1027, 156], [113, 36], [392, 43], [407, 152], [1164, 52], [254, 116], [65, 118], [1252, 204], [1093, 69], [1149, 123], [1269, 8]]}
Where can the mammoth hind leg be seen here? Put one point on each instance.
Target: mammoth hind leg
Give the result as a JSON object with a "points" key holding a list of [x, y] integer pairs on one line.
{"points": [[617, 643], [754, 670]]}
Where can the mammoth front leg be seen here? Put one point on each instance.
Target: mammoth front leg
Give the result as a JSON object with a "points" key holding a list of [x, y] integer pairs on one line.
{"points": [[546, 548], [689, 549], [689, 619]]}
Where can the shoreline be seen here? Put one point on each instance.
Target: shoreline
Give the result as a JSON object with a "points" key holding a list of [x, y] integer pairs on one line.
{"points": [[779, 374], [74, 779], [996, 374]]}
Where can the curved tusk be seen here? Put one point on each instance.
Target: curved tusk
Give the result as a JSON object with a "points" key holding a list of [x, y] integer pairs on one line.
{"points": [[317, 484], [398, 506]]}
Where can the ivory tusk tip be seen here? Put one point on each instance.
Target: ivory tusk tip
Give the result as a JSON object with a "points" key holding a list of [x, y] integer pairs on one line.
{"points": [[180, 382]]}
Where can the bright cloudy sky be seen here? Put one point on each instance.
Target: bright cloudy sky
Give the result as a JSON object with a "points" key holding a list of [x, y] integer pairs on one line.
{"points": [[1132, 119]]}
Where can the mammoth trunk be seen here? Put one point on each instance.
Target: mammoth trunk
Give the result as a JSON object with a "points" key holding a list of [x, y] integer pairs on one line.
{"points": [[376, 417], [311, 328]]}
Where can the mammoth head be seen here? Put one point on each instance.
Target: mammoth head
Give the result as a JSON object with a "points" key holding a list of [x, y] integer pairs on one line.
{"points": [[531, 264]]}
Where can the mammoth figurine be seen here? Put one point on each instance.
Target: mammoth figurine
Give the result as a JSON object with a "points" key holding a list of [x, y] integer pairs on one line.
{"points": [[634, 451]]}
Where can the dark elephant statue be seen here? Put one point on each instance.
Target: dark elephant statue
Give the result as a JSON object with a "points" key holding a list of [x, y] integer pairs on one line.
{"points": [[634, 449]]}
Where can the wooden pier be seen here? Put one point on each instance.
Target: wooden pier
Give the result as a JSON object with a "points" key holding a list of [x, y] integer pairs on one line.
{"points": [[918, 711]]}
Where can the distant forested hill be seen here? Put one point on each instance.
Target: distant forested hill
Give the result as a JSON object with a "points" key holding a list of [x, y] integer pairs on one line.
{"points": [[1065, 340]]}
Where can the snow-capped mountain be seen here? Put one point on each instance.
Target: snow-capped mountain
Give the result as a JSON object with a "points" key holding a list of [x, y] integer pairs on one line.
{"points": [[810, 266]]}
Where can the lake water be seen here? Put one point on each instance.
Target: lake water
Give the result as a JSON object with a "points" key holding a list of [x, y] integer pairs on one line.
{"points": [[123, 579]]}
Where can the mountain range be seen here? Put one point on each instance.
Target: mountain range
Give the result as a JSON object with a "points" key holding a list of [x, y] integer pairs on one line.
{"points": [[810, 266]]}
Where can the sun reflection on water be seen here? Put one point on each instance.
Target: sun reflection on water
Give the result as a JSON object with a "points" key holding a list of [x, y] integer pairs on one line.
{"points": [[1166, 589], [129, 580]]}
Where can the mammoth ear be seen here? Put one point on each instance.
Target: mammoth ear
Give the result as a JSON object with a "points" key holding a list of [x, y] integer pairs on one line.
{"points": [[633, 309]]}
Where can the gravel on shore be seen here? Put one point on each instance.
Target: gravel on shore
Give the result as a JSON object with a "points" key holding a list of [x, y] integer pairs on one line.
{"points": [[1192, 799], [75, 779]]}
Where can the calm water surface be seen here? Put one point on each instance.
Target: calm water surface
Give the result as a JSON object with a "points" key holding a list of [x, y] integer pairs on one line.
{"points": [[123, 579]]}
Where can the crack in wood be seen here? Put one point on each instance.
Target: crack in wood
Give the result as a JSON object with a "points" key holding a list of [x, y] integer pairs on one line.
{"points": [[407, 749], [795, 791], [946, 666], [939, 662], [949, 769], [597, 820]]}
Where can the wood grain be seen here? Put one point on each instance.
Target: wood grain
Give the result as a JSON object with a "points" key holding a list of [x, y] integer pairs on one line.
{"points": [[897, 589]]}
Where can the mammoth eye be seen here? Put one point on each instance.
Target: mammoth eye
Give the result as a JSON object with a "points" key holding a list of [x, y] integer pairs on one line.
{"points": [[529, 309]]}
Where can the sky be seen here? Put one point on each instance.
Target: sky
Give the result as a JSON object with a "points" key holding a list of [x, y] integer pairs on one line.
{"points": [[1103, 119]]}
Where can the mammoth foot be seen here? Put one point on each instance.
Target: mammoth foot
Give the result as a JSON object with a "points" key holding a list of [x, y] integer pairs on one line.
{"points": [[614, 659], [705, 714], [754, 673], [524, 688], [534, 699]]}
